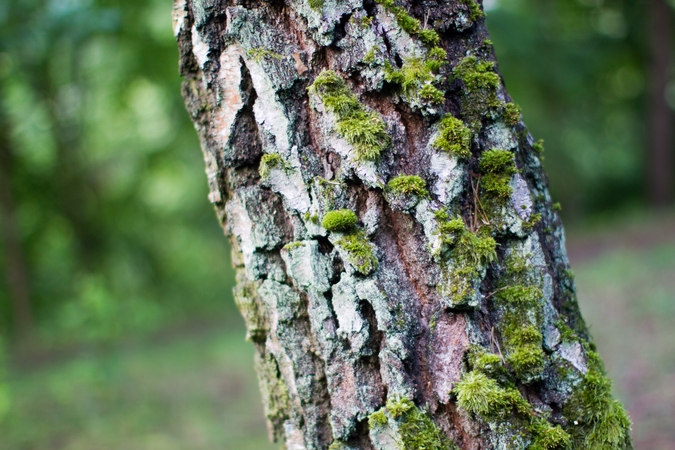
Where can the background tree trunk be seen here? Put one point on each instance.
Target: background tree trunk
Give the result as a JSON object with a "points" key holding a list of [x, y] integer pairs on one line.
{"points": [[401, 267], [661, 118]]}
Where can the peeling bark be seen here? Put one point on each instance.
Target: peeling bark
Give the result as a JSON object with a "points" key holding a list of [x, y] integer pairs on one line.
{"points": [[446, 316]]}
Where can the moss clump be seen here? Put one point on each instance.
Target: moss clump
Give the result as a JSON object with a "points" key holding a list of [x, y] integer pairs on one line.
{"points": [[469, 254], [417, 75], [364, 130], [484, 397], [480, 95], [548, 437], [511, 114], [258, 54], [595, 419], [411, 25], [316, 5], [408, 185], [271, 161], [538, 146], [519, 299], [454, 137], [532, 221], [359, 252], [337, 445], [498, 402], [339, 220], [416, 429], [475, 13], [497, 166]]}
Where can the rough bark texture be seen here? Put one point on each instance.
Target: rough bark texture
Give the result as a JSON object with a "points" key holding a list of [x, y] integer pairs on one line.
{"points": [[400, 265]]}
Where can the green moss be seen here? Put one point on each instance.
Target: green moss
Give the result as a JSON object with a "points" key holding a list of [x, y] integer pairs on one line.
{"points": [[484, 397], [469, 253], [378, 418], [557, 206], [339, 220], [416, 76], [429, 37], [476, 74], [548, 437], [432, 94], [480, 94], [366, 21], [511, 114], [416, 429], [532, 221], [294, 245], [408, 185], [337, 445], [454, 137], [258, 54], [316, 5], [538, 146], [370, 56], [475, 13], [271, 161], [519, 299], [364, 130], [497, 166], [595, 419], [359, 252], [491, 401]]}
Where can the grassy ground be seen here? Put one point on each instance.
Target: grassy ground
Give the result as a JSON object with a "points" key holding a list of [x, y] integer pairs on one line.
{"points": [[198, 391]]}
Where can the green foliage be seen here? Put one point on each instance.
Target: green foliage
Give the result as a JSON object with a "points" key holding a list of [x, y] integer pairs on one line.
{"points": [[364, 130], [360, 252], [107, 178], [408, 185], [454, 137], [339, 220]]}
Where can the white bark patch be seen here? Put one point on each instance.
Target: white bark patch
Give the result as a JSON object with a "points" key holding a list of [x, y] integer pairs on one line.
{"points": [[231, 100], [199, 48], [573, 352], [294, 439], [269, 113], [402, 42], [179, 15], [448, 174], [499, 136], [520, 198], [448, 343], [291, 186], [346, 306], [308, 267]]}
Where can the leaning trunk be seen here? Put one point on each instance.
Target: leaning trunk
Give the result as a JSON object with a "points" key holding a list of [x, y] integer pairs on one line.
{"points": [[400, 265]]}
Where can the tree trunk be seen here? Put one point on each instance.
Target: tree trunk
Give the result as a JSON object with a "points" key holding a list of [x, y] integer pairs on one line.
{"points": [[401, 268], [660, 176], [15, 267]]}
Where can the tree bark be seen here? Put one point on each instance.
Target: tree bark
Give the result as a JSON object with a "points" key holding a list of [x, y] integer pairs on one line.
{"points": [[15, 268], [400, 265], [660, 162]]}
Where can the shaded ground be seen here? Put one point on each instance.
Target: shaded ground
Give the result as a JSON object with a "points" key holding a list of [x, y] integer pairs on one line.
{"points": [[198, 390]]}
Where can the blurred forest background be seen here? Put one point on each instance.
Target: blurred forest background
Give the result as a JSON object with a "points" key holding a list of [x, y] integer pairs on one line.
{"points": [[117, 325]]}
